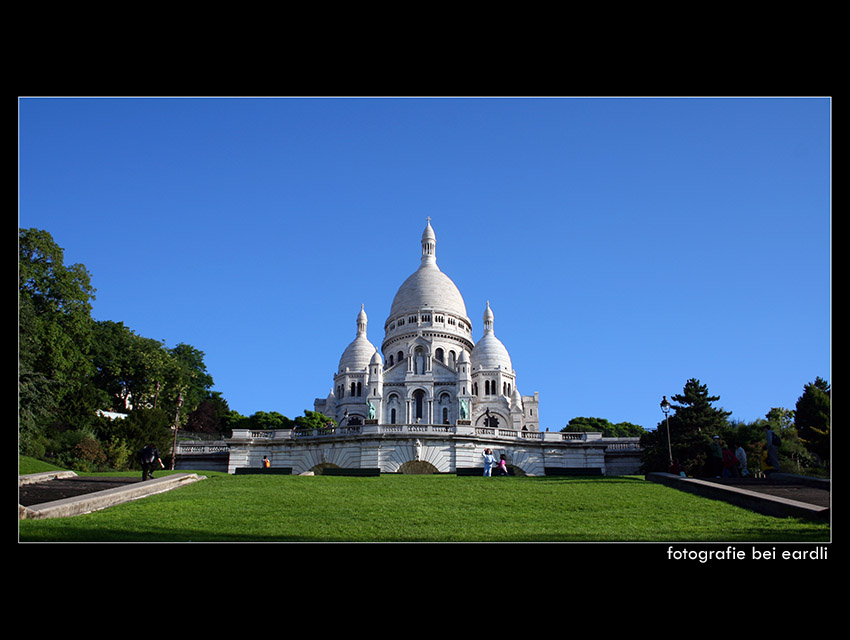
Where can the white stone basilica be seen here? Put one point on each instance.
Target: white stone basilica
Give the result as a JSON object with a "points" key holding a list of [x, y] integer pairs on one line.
{"points": [[429, 370], [430, 400]]}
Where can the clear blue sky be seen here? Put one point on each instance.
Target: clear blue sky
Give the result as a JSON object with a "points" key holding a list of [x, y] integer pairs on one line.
{"points": [[625, 245]]}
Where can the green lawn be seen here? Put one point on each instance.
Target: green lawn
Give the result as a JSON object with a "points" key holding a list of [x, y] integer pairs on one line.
{"points": [[436, 508]]}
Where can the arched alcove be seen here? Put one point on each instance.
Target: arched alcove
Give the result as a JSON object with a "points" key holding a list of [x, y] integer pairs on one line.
{"points": [[417, 467], [319, 468]]}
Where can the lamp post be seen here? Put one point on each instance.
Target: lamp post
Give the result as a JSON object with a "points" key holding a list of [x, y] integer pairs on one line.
{"points": [[665, 407]]}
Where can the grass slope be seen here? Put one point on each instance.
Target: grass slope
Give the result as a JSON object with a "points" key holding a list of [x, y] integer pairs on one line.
{"points": [[436, 508]]}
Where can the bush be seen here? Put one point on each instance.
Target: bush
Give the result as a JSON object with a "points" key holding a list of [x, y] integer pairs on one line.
{"points": [[118, 454]]}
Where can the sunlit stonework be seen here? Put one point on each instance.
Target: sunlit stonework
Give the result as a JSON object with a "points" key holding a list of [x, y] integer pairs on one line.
{"points": [[429, 369], [430, 399]]}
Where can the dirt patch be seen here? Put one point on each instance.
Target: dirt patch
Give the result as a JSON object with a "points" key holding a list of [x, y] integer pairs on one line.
{"points": [[61, 488], [788, 489]]}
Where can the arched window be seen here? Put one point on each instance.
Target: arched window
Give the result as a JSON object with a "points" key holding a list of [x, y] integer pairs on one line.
{"points": [[418, 404], [359, 389], [438, 355], [353, 389], [390, 363]]}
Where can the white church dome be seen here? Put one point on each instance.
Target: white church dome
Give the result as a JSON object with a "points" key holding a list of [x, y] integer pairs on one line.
{"points": [[489, 352], [358, 354], [428, 287]]}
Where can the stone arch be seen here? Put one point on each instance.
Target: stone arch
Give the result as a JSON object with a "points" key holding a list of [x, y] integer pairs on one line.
{"points": [[417, 467], [319, 468], [502, 420]]}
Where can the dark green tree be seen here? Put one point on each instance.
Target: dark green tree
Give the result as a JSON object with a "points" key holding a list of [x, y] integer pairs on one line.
{"points": [[270, 420], [145, 426], [812, 417], [54, 330], [128, 367], [693, 423], [192, 382], [210, 417], [313, 420], [605, 427]]}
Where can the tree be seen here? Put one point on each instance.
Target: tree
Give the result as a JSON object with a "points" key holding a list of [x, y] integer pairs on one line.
{"points": [[128, 367], [812, 417], [692, 426], [193, 381], [54, 330], [145, 426], [210, 416], [270, 420], [605, 427], [313, 420]]}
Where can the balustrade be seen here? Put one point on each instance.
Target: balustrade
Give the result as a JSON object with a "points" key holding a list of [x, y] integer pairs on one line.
{"points": [[623, 444]]}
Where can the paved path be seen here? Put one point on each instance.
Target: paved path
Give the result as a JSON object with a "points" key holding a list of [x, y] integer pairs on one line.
{"points": [[56, 495], [781, 495]]}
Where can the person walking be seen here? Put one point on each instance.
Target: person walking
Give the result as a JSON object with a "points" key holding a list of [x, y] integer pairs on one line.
{"points": [[149, 457], [503, 465]]}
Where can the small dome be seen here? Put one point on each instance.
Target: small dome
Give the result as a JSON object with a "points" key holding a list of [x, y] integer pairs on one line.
{"points": [[358, 354], [376, 358], [489, 352], [516, 398]]}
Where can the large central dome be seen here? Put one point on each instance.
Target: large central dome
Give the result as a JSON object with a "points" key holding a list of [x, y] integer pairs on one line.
{"points": [[428, 287]]}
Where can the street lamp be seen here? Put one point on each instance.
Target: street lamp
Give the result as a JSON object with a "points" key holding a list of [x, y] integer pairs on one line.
{"points": [[665, 407]]}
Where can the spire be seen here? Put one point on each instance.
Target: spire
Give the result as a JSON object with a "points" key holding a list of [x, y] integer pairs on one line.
{"points": [[488, 319], [429, 244], [362, 320]]}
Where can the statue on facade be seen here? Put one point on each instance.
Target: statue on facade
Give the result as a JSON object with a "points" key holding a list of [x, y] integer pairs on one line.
{"points": [[371, 409], [464, 409]]}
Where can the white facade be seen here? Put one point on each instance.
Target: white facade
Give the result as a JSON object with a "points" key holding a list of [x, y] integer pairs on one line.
{"points": [[429, 369], [430, 400]]}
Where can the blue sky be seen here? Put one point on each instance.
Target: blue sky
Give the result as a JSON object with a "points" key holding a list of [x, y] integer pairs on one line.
{"points": [[626, 245]]}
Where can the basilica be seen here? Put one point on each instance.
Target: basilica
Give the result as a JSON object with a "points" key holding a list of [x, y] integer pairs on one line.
{"points": [[430, 399], [429, 369]]}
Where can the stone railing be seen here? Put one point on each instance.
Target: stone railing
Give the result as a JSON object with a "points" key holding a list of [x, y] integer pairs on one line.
{"points": [[201, 448], [625, 444]]}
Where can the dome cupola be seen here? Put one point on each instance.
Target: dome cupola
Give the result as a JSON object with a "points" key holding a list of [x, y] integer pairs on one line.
{"points": [[358, 353], [489, 352], [428, 287]]}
